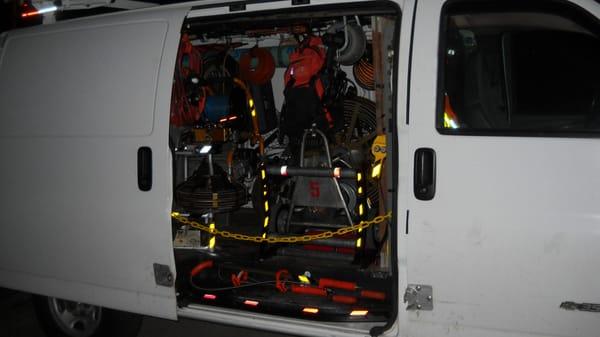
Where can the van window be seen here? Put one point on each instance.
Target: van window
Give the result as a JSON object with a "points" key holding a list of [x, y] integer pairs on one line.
{"points": [[507, 69]]}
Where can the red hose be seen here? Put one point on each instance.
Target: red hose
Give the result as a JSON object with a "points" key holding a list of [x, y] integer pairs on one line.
{"points": [[200, 267]]}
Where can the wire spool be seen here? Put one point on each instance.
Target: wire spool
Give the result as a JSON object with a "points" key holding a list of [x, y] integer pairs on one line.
{"points": [[364, 73], [360, 127], [216, 107], [264, 69], [359, 131], [202, 192]]}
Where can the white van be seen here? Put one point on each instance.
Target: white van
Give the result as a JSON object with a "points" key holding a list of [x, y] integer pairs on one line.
{"points": [[315, 167]]}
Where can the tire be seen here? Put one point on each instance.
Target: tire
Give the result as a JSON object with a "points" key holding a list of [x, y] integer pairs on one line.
{"points": [[61, 318]]}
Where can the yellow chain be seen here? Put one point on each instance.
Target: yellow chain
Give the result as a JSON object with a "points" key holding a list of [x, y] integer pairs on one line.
{"points": [[285, 239]]}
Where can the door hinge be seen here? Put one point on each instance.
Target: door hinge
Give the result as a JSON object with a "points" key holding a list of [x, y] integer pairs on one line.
{"points": [[419, 297], [163, 275]]}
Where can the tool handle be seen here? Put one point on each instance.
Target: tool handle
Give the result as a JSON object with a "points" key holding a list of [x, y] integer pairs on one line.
{"points": [[308, 290], [331, 283], [374, 295]]}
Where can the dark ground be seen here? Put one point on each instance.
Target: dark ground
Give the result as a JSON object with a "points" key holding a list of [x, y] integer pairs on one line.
{"points": [[17, 319]]}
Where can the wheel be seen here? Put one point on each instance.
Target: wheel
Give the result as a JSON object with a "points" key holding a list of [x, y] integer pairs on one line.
{"points": [[62, 318]]}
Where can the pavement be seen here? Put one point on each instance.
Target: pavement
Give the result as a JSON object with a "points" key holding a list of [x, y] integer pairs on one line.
{"points": [[17, 319]]}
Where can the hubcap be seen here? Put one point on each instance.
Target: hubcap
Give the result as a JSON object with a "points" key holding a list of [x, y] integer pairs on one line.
{"points": [[76, 319]]}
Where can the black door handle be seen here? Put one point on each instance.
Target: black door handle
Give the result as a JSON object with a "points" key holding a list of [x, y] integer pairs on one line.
{"points": [[144, 168], [424, 177]]}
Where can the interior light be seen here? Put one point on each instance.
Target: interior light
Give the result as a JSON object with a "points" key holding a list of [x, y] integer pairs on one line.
{"points": [[175, 214], [358, 176], [359, 312], [310, 310], [360, 190], [253, 113], [376, 170], [205, 149], [251, 303], [361, 209], [251, 103], [263, 174], [266, 206], [209, 297], [283, 170], [266, 222]]}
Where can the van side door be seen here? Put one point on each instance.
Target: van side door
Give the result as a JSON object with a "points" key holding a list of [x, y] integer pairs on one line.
{"points": [[504, 212], [86, 184]]}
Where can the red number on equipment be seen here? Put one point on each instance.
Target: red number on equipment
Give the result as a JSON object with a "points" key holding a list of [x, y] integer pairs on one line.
{"points": [[315, 190]]}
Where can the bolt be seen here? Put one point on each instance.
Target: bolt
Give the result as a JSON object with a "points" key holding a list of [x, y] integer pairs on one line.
{"points": [[418, 306], [390, 53], [418, 288], [429, 298]]}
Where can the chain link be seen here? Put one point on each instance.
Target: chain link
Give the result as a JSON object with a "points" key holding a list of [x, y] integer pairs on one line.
{"points": [[283, 239]]}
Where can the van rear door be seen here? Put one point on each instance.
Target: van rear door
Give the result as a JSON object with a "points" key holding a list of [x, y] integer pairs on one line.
{"points": [[86, 183], [503, 215]]}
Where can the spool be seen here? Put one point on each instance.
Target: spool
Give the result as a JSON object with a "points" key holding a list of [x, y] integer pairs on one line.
{"points": [[216, 107], [257, 73]]}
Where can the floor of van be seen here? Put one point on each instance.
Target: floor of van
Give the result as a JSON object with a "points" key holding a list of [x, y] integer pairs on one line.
{"points": [[243, 275]]}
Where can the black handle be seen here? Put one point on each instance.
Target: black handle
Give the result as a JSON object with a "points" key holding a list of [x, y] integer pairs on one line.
{"points": [[144, 168], [424, 184]]}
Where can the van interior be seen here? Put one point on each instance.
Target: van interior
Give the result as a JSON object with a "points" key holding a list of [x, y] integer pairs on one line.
{"points": [[281, 136]]}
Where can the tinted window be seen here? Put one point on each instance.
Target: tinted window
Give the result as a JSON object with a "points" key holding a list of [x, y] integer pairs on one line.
{"points": [[510, 69]]}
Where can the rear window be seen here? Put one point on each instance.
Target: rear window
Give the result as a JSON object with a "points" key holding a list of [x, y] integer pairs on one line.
{"points": [[511, 69]]}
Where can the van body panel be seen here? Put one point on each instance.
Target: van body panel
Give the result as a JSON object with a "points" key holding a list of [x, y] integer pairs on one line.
{"points": [[512, 231], [79, 99]]}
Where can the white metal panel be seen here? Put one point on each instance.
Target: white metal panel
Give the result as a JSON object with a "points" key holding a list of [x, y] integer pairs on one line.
{"points": [[514, 227], [73, 222], [62, 83]]}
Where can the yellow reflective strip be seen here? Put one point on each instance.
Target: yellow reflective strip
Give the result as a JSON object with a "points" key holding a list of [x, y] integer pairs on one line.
{"points": [[213, 240], [376, 171]]}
